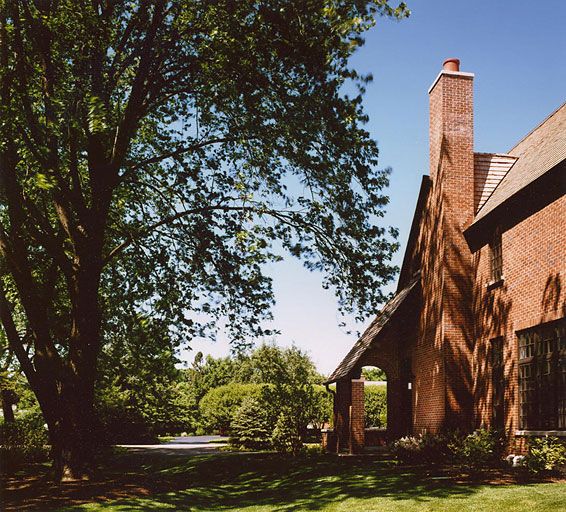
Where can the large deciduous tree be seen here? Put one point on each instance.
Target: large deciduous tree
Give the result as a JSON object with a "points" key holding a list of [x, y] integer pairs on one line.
{"points": [[151, 154]]}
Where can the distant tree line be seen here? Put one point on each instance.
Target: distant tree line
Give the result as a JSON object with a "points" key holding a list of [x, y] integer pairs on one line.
{"points": [[270, 397]]}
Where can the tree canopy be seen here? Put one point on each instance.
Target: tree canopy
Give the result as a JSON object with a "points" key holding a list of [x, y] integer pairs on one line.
{"points": [[153, 154]]}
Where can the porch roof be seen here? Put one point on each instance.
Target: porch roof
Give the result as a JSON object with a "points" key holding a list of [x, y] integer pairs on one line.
{"points": [[364, 343]]}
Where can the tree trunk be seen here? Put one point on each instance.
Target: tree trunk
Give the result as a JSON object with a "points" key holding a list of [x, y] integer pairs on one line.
{"points": [[74, 434], [7, 402]]}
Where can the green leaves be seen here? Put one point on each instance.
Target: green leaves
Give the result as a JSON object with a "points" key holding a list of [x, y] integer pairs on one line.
{"points": [[43, 181], [158, 155], [96, 115]]}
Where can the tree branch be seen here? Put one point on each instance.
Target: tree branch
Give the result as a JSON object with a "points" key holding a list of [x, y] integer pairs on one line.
{"points": [[139, 89], [14, 340], [281, 216], [186, 149]]}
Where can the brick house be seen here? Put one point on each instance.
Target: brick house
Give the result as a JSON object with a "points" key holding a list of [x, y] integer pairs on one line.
{"points": [[476, 332]]}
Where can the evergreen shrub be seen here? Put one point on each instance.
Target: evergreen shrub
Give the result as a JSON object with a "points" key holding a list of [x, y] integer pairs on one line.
{"points": [[286, 437], [251, 428]]}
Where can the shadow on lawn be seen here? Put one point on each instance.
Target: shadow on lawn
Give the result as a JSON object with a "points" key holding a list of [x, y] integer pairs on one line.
{"points": [[238, 480], [291, 485]]}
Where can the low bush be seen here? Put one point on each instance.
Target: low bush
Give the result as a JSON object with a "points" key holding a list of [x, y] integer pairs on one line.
{"points": [[424, 448], [24, 440], [546, 454], [483, 448]]}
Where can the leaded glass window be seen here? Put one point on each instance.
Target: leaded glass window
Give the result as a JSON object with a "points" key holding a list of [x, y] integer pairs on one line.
{"points": [[496, 257], [542, 377]]}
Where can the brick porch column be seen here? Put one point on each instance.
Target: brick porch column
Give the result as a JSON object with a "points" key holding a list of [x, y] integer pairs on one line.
{"points": [[357, 433]]}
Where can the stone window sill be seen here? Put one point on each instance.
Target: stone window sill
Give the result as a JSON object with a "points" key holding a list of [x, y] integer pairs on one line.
{"points": [[538, 433], [495, 284]]}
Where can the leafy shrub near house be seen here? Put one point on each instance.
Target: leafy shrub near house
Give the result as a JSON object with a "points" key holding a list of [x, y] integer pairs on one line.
{"points": [[424, 448], [375, 406], [483, 448], [23, 440], [546, 454], [251, 427]]}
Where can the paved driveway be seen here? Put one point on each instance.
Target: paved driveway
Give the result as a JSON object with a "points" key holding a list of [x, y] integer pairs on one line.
{"points": [[186, 445], [199, 440]]}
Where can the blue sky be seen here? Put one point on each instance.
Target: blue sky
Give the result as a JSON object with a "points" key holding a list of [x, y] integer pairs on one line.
{"points": [[517, 50]]}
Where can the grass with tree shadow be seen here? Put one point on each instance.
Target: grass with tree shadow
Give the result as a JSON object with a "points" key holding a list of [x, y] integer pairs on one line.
{"points": [[259, 482]]}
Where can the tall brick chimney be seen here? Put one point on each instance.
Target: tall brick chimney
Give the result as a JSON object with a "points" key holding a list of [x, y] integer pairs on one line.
{"points": [[452, 126], [452, 175]]}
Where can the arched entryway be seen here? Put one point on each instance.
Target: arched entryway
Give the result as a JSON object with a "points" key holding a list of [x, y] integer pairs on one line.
{"points": [[385, 344], [375, 405]]}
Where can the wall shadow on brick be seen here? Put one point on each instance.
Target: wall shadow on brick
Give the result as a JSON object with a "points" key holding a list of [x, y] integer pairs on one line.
{"points": [[387, 352], [459, 339], [491, 313], [425, 347]]}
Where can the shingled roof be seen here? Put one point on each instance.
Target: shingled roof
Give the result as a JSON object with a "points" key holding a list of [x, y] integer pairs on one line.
{"points": [[539, 152], [371, 332]]}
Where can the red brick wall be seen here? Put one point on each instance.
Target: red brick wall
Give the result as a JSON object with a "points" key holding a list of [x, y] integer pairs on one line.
{"points": [[426, 353], [533, 291], [387, 353]]}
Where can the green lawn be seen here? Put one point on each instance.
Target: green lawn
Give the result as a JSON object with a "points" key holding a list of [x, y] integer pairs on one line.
{"points": [[264, 482]]}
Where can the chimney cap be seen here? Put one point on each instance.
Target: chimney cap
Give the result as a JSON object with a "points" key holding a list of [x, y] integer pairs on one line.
{"points": [[451, 65]]}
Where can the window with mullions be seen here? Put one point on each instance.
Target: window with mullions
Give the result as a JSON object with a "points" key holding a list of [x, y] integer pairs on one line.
{"points": [[496, 257], [542, 377], [498, 383]]}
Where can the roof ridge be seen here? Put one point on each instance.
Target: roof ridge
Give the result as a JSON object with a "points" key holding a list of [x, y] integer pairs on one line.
{"points": [[480, 153]]}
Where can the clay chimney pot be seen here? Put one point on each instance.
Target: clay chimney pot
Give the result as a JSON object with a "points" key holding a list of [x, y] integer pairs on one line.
{"points": [[451, 65]]}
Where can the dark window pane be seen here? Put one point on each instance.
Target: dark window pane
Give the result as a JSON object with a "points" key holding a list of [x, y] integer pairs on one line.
{"points": [[542, 377]]}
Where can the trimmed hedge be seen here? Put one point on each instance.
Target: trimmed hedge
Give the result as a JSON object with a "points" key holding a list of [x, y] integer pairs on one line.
{"points": [[375, 406], [23, 440], [218, 407]]}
